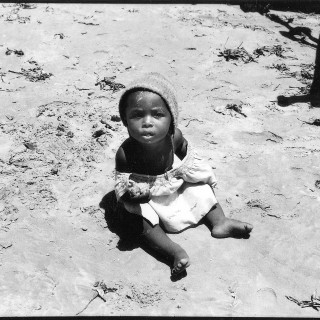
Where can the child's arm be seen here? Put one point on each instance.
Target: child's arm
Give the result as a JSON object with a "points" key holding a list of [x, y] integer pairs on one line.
{"points": [[133, 194], [180, 144]]}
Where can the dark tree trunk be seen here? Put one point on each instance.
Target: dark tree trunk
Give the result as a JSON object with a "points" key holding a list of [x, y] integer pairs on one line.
{"points": [[315, 87]]}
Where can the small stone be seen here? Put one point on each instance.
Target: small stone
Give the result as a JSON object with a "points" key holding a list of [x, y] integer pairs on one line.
{"points": [[104, 120], [99, 133], [108, 126], [115, 118], [70, 134], [54, 170], [30, 145], [61, 127]]}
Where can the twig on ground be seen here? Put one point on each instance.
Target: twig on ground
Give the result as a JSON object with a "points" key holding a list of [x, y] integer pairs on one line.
{"points": [[315, 122], [94, 296], [314, 302], [101, 289], [236, 54], [108, 81], [236, 108], [193, 120]]}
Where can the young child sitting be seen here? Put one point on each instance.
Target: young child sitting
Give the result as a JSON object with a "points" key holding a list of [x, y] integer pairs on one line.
{"points": [[160, 177]]}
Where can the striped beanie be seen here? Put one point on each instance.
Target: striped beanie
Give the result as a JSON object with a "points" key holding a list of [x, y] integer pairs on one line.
{"points": [[157, 83]]}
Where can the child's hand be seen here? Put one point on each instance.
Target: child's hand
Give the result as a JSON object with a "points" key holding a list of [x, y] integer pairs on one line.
{"points": [[138, 192]]}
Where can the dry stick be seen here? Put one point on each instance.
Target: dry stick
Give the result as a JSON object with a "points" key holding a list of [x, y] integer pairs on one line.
{"points": [[315, 122], [304, 304], [15, 72], [95, 296], [276, 87], [225, 43], [81, 89], [193, 120]]}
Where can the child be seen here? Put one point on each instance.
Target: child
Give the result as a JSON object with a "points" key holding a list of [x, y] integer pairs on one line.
{"points": [[160, 177]]}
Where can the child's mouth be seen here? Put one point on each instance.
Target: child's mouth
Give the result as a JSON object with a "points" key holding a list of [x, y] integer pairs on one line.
{"points": [[147, 134]]}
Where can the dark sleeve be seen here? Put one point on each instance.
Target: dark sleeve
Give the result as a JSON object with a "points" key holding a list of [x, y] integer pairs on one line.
{"points": [[122, 166], [121, 161], [180, 144]]}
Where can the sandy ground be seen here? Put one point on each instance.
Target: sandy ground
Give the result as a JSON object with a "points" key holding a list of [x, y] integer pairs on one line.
{"points": [[59, 132]]}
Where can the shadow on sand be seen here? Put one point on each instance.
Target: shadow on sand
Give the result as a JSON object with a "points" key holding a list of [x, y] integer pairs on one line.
{"points": [[287, 101], [302, 35], [299, 34], [129, 227]]}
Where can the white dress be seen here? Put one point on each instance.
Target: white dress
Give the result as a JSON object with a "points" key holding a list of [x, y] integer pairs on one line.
{"points": [[179, 198]]}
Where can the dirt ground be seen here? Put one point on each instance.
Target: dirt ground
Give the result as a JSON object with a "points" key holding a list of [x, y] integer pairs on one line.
{"points": [[62, 69]]}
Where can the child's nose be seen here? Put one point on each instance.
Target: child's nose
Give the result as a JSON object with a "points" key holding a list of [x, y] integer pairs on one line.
{"points": [[147, 121]]}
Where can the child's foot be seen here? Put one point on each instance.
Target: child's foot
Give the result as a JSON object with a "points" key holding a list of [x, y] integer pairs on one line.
{"points": [[181, 262], [231, 228]]}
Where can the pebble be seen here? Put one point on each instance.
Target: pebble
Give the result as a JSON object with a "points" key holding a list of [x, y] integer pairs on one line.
{"points": [[98, 133], [108, 126], [104, 120], [70, 134], [30, 145], [115, 118]]}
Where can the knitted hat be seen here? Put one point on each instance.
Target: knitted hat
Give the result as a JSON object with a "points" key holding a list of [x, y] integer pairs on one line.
{"points": [[157, 83]]}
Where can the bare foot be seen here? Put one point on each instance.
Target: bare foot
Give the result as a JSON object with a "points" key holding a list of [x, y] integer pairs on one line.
{"points": [[181, 262], [231, 228]]}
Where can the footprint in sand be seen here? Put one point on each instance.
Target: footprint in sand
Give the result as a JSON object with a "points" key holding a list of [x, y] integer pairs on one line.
{"points": [[266, 301]]}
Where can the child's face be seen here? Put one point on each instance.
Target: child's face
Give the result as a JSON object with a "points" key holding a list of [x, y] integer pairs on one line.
{"points": [[148, 119]]}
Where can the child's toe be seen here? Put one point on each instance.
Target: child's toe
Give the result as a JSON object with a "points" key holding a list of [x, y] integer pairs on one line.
{"points": [[180, 266]]}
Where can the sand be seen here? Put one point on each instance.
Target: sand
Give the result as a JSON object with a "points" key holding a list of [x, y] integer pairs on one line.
{"points": [[59, 131]]}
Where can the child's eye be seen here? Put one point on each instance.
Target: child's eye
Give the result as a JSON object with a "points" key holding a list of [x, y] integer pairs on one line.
{"points": [[158, 114], [136, 115]]}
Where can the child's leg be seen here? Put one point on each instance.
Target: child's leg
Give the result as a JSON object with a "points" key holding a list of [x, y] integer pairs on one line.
{"points": [[159, 241], [223, 227]]}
